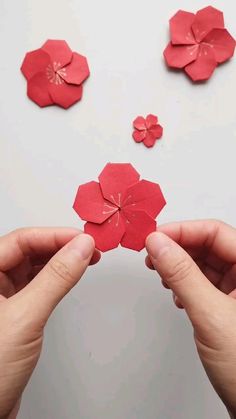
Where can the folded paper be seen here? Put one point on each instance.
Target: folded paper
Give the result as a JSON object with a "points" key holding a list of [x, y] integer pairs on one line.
{"points": [[147, 130], [55, 74], [120, 208], [199, 42]]}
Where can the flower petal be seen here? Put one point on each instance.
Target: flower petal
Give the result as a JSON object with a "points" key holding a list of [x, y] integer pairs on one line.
{"points": [[139, 123], [139, 136], [90, 204], [149, 140], [107, 235], [77, 71], [146, 196], [180, 56], [223, 44], [115, 179], [138, 226], [65, 94], [181, 28], [35, 62], [151, 120], [157, 131], [37, 90], [204, 66], [207, 19], [59, 51]]}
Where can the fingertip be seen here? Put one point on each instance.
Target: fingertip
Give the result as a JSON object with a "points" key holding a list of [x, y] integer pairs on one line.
{"points": [[157, 243], [150, 242], [89, 239], [96, 253], [84, 245], [95, 258], [148, 263], [150, 238]]}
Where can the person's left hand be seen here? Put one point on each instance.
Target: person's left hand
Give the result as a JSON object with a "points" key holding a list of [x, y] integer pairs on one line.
{"points": [[38, 267]]}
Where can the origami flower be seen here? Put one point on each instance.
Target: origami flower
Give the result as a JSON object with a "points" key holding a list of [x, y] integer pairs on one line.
{"points": [[198, 42], [147, 130], [55, 74], [120, 208]]}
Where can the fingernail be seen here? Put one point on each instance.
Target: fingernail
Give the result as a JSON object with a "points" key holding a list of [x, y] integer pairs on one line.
{"points": [[157, 244], [83, 244]]}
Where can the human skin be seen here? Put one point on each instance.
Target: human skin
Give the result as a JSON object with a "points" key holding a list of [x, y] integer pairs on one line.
{"points": [[38, 267], [197, 261]]}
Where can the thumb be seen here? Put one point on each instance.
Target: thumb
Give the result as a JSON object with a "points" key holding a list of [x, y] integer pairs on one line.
{"points": [[178, 270], [57, 278]]}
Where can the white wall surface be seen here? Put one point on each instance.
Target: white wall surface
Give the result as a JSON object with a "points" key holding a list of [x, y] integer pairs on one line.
{"points": [[116, 348]]}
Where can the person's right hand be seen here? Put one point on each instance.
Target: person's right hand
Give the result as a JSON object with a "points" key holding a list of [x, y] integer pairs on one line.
{"points": [[197, 261]]}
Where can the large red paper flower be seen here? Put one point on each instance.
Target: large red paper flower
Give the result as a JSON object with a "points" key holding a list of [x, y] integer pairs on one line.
{"points": [[147, 130], [198, 42], [120, 208], [55, 74]]}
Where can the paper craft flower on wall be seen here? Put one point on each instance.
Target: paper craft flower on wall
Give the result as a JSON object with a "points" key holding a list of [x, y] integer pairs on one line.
{"points": [[198, 42], [55, 74], [121, 208], [147, 130]]}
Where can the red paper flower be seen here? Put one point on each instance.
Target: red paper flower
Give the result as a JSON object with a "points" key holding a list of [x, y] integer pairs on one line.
{"points": [[120, 208], [55, 74], [198, 42], [147, 130]]}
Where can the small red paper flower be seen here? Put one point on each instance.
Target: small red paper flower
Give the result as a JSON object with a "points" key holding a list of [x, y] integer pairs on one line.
{"points": [[55, 74], [147, 130], [120, 208], [199, 42]]}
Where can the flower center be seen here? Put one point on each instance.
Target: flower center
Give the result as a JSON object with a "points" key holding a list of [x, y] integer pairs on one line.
{"points": [[116, 200], [116, 207], [54, 73], [192, 48]]}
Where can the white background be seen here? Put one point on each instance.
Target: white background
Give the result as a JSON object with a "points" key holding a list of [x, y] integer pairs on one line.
{"points": [[116, 348]]}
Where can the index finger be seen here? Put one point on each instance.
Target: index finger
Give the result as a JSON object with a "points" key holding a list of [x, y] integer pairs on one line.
{"points": [[215, 236], [36, 241]]}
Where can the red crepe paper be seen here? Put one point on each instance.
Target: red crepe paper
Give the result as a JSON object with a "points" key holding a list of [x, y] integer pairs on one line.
{"points": [[198, 42], [147, 130], [120, 209], [55, 74]]}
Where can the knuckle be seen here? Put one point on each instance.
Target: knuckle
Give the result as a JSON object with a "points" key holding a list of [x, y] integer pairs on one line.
{"points": [[26, 237], [61, 272], [24, 230], [18, 232], [180, 272], [26, 233], [216, 221], [34, 234], [216, 224]]}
